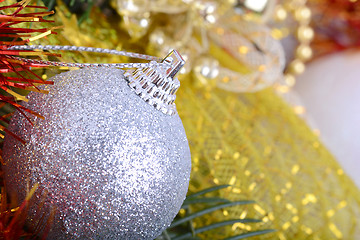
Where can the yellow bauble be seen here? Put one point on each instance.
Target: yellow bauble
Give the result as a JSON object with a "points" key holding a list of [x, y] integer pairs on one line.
{"points": [[256, 143]]}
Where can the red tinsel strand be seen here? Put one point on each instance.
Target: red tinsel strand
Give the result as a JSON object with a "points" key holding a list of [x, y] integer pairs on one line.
{"points": [[17, 74]]}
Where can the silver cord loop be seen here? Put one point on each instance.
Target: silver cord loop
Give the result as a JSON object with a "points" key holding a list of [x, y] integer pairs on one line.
{"points": [[155, 82], [85, 49], [88, 65]]}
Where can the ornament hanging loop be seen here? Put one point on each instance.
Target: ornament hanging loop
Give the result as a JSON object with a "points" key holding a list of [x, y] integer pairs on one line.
{"points": [[175, 61], [157, 84], [155, 81]]}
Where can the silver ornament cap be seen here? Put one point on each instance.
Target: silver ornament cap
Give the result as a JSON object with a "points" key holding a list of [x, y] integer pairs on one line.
{"points": [[158, 84]]}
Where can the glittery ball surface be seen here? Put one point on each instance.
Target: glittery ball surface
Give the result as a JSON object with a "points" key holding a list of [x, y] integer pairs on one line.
{"points": [[112, 165]]}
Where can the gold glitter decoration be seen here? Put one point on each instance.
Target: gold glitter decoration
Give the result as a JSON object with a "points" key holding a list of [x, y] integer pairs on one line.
{"points": [[258, 144], [200, 30]]}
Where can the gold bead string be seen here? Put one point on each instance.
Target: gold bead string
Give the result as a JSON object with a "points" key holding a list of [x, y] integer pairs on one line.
{"points": [[304, 34]]}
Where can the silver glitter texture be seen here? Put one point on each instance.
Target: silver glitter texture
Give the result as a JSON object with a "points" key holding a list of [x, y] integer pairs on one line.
{"points": [[112, 165]]}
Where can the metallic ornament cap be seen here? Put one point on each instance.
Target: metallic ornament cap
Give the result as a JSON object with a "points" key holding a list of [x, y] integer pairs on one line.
{"points": [[158, 84]]}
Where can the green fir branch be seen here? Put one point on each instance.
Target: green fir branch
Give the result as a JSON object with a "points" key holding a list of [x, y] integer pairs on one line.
{"points": [[207, 190], [212, 200], [207, 210], [183, 228], [214, 226], [250, 234]]}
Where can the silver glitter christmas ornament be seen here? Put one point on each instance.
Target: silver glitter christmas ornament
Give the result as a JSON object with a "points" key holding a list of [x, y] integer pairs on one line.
{"points": [[111, 155]]}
